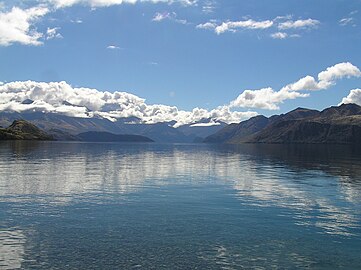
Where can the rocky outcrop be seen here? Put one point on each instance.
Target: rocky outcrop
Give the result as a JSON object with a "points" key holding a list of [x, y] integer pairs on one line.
{"points": [[23, 130]]}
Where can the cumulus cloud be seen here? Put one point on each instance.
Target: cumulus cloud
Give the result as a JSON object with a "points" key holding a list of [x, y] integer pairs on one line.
{"points": [[290, 24], [265, 98], [269, 99], [17, 26], [60, 97], [353, 97], [338, 71], [326, 78]]}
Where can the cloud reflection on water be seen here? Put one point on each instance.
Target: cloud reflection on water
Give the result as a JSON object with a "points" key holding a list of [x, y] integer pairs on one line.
{"points": [[301, 179]]}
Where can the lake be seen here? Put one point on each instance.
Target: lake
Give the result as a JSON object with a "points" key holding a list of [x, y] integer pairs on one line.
{"points": [[185, 206]]}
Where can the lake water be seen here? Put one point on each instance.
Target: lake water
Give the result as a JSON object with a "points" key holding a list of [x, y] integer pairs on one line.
{"points": [[159, 206]]}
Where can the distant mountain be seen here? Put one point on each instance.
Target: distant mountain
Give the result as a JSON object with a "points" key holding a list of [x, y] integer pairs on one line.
{"points": [[95, 136], [340, 124], [49, 121], [239, 131], [23, 130], [64, 127], [202, 129], [160, 132]]}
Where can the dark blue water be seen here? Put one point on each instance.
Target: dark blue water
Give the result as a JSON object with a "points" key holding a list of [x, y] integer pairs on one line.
{"points": [[151, 206]]}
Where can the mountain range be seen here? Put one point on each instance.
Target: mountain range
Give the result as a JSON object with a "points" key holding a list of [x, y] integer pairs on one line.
{"points": [[338, 124], [63, 127]]}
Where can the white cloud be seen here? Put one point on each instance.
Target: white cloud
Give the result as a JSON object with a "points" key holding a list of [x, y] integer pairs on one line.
{"points": [[113, 47], [207, 25], [346, 21], [78, 21], [232, 26], [265, 98], [339, 71], [283, 18], [284, 35], [308, 23], [52, 33], [158, 17], [107, 3], [326, 78], [210, 124], [353, 97], [279, 35], [17, 26], [283, 23], [349, 20], [269, 99], [60, 97]]}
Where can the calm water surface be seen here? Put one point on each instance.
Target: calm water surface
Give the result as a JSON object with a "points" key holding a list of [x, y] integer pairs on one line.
{"points": [[153, 206]]}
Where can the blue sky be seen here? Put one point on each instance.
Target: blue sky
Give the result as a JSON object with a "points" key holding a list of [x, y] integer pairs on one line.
{"points": [[186, 53]]}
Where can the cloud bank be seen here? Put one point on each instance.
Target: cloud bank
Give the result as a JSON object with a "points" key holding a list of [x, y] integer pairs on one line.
{"points": [[60, 97]]}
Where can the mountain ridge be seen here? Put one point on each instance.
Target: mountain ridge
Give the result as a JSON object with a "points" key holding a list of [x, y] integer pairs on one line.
{"points": [[67, 126], [334, 125]]}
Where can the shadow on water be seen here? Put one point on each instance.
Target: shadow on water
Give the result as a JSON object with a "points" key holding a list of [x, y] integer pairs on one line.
{"points": [[338, 160]]}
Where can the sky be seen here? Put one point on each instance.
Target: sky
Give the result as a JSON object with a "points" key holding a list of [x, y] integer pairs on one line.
{"points": [[179, 59]]}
